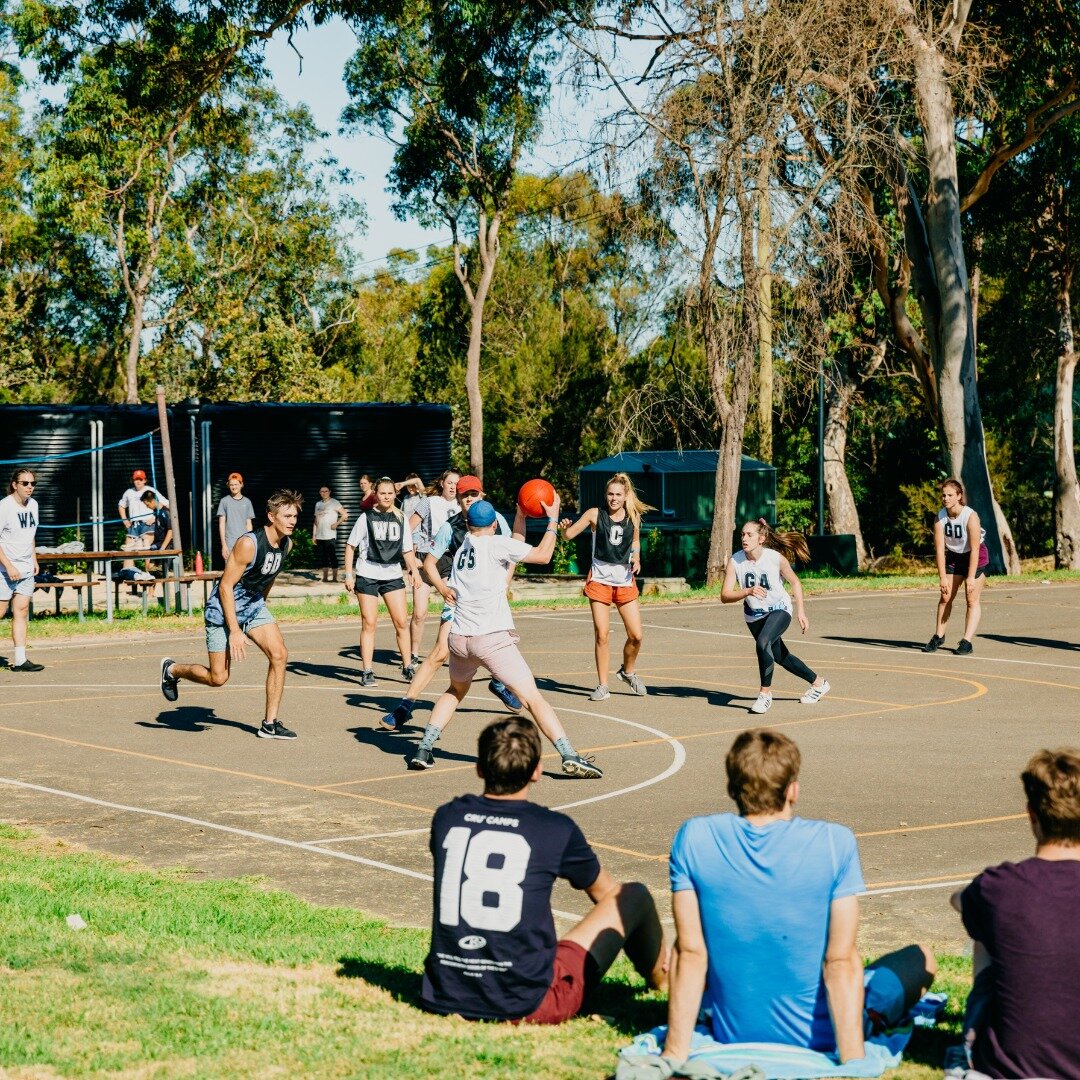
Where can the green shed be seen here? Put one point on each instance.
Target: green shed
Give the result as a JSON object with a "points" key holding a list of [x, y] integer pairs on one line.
{"points": [[680, 484]]}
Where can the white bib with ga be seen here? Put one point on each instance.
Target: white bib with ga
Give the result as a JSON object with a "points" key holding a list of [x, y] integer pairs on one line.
{"points": [[763, 572]]}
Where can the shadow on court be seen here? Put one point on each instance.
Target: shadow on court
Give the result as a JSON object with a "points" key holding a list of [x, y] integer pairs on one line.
{"points": [[194, 719], [324, 671], [1034, 642], [885, 643], [718, 698]]}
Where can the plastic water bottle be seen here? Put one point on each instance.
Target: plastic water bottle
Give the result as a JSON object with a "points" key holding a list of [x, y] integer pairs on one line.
{"points": [[198, 563]]}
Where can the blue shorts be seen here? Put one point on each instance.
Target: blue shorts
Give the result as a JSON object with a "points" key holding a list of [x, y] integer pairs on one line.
{"points": [[892, 984], [23, 587], [217, 637]]}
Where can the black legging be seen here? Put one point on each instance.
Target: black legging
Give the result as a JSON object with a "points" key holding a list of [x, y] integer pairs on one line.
{"points": [[770, 647]]}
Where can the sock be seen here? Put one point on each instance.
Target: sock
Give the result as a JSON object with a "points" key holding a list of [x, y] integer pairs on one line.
{"points": [[431, 737], [407, 705], [565, 747], [20, 655]]}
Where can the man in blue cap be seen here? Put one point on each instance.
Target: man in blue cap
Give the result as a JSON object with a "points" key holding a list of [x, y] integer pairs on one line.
{"points": [[482, 630]]}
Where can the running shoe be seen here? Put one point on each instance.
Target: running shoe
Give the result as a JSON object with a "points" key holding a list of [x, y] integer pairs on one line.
{"points": [[415, 660], [964, 647], [422, 759], [933, 644], [582, 766], [396, 720], [505, 695], [27, 665], [275, 730], [408, 672], [367, 678], [815, 693], [633, 680], [170, 686], [763, 704], [601, 693]]}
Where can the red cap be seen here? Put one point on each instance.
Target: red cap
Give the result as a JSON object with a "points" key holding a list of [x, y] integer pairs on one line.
{"points": [[138, 474], [469, 485]]}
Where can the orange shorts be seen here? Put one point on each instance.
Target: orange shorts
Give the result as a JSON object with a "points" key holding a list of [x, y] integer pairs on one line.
{"points": [[610, 594]]}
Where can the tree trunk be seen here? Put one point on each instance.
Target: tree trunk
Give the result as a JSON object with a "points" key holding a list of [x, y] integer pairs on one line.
{"points": [[1066, 488], [487, 242], [765, 325], [939, 273], [131, 366], [843, 513], [726, 487]]}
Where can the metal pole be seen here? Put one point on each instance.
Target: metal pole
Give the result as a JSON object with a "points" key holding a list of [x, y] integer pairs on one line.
{"points": [[821, 451], [170, 477]]}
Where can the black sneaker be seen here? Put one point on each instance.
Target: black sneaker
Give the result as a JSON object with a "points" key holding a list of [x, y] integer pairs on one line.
{"points": [[505, 695], [933, 644], [422, 759], [367, 678], [415, 660], [964, 647], [275, 730], [579, 765], [396, 720], [170, 686], [27, 665], [408, 672]]}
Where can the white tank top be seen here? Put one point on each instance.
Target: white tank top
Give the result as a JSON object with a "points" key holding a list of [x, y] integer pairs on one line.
{"points": [[765, 572], [956, 530]]}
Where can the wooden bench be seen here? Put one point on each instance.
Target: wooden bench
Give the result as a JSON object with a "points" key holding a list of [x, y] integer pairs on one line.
{"points": [[55, 587], [185, 581], [144, 589]]}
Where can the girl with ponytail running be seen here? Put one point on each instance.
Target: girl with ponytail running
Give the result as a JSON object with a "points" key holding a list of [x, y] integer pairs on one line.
{"points": [[616, 558], [756, 576]]}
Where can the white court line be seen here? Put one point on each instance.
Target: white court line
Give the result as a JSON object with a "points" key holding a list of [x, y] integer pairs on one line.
{"points": [[247, 833], [370, 836], [918, 888]]}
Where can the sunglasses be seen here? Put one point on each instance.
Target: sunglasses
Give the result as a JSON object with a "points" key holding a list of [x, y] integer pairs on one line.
{"points": [[26, 483]]}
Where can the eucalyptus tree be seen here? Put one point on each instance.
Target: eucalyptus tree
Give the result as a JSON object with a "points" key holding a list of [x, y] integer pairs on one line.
{"points": [[459, 89]]}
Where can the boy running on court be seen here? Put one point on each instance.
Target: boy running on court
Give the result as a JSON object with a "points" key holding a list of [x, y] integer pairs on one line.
{"points": [[237, 611], [438, 563], [482, 631]]}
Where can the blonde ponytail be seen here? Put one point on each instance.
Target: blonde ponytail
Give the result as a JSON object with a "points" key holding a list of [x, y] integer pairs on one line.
{"points": [[635, 506], [792, 545]]}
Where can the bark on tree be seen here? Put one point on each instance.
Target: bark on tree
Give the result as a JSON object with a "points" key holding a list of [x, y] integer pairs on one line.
{"points": [[843, 513], [487, 242], [765, 324], [1066, 486], [940, 281]]}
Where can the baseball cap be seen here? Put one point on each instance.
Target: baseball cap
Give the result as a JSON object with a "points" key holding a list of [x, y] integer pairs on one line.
{"points": [[138, 474], [236, 476], [469, 484], [481, 514]]}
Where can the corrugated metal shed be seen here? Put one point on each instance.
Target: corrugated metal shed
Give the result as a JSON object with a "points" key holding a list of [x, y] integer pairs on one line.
{"points": [[681, 485]]}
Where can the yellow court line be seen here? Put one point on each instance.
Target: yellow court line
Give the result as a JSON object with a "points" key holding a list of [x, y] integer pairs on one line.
{"points": [[212, 768], [942, 825]]}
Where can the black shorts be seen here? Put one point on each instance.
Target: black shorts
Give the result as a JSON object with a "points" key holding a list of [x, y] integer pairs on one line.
{"points": [[369, 586], [957, 563], [327, 554]]}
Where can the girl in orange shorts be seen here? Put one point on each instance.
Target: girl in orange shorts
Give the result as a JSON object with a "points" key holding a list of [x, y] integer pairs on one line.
{"points": [[616, 536]]}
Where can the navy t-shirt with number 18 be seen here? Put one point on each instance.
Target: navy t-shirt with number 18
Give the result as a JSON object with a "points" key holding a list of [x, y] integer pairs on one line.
{"points": [[493, 935]]}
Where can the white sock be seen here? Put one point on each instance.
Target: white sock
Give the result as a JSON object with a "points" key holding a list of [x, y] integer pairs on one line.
{"points": [[20, 655]]}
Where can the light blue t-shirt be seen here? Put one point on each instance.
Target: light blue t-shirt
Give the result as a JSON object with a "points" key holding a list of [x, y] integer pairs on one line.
{"points": [[764, 893]]}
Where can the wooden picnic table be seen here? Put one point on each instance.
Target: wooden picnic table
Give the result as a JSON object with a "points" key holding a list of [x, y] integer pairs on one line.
{"points": [[172, 556]]}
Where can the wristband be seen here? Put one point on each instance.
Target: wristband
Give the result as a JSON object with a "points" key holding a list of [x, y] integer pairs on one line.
{"points": [[553, 526]]}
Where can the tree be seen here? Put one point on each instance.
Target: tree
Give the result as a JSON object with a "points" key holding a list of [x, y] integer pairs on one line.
{"points": [[459, 88]]}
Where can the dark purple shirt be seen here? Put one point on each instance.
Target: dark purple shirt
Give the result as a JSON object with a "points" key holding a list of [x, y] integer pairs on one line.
{"points": [[1027, 915]]}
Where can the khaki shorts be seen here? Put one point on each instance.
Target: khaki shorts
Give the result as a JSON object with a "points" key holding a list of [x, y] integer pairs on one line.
{"points": [[498, 653], [141, 542]]}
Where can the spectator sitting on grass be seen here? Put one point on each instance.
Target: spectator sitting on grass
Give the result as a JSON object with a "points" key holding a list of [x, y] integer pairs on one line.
{"points": [[494, 955], [1021, 1017], [766, 913]]}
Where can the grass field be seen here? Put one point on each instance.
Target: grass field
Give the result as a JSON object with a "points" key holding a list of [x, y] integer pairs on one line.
{"points": [[178, 977]]}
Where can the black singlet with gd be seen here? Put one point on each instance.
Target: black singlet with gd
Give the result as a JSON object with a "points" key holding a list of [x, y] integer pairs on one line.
{"points": [[613, 539], [385, 537]]}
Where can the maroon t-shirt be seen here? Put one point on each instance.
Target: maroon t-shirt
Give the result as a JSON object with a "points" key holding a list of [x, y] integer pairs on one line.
{"points": [[1027, 915]]}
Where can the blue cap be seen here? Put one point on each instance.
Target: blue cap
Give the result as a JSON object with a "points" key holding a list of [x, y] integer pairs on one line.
{"points": [[481, 513]]}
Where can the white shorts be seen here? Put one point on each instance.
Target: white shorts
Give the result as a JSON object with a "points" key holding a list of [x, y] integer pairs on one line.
{"points": [[22, 587]]}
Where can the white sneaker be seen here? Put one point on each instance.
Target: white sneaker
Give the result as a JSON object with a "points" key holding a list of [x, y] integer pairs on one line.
{"points": [[601, 693], [815, 693], [763, 704]]}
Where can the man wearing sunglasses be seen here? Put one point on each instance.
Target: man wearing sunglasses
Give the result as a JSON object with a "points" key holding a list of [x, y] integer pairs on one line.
{"points": [[18, 562]]}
